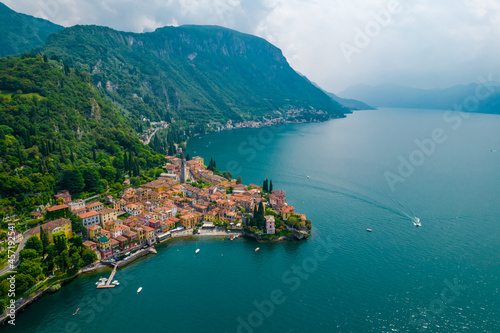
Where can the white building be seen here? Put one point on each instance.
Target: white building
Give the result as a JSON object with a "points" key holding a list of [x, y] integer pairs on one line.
{"points": [[90, 218]]}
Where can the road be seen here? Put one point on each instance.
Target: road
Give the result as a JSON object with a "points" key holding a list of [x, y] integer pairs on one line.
{"points": [[19, 248]]}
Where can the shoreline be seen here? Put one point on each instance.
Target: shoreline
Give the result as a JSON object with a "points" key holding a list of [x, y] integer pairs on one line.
{"points": [[26, 302]]}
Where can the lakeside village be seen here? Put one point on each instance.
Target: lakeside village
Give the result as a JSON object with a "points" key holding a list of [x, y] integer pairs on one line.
{"points": [[187, 200]]}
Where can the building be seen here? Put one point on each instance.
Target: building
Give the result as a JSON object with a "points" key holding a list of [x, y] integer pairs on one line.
{"points": [[75, 205], [200, 161], [54, 228], [56, 212], [277, 197], [95, 206], [183, 170], [90, 218], [270, 224], [108, 214], [190, 220], [104, 246], [131, 237], [287, 211], [64, 194], [94, 231], [133, 209]]}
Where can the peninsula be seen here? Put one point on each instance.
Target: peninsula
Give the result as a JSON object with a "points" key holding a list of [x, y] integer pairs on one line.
{"points": [[189, 198]]}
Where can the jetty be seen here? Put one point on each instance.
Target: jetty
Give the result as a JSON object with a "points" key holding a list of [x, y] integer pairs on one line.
{"points": [[108, 283]]}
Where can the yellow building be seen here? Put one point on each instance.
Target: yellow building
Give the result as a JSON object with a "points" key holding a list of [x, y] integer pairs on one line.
{"points": [[200, 161], [141, 233], [190, 220], [107, 214], [56, 227]]}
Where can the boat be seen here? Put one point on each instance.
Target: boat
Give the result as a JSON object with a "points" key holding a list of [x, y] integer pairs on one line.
{"points": [[115, 282], [307, 177], [127, 254], [369, 230], [257, 249], [416, 222], [139, 290], [232, 237], [197, 251], [76, 311]]}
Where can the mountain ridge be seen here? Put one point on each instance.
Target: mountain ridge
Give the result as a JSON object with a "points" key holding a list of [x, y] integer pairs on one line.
{"points": [[21, 32], [195, 73], [392, 95]]}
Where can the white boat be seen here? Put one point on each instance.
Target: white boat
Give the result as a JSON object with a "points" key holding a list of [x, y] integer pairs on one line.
{"points": [[257, 249], [307, 176], [197, 250], [416, 222], [115, 282], [369, 230], [139, 290]]}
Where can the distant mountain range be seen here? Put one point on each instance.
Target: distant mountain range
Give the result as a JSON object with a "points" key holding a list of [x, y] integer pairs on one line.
{"points": [[473, 97], [352, 104], [22, 33]]}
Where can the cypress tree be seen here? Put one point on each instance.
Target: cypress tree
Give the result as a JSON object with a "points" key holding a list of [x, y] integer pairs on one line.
{"points": [[19, 155], [188, 158], [125, 162], [94, 154], [61, 153], [45, 240], [71, 156], [271, 186], [264, 186]]}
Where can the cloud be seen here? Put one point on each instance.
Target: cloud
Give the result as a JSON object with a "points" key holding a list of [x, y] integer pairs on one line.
{"points": [[425, 44]]}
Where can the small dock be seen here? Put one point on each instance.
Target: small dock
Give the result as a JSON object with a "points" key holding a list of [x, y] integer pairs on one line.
{"points": [[108, 283]]}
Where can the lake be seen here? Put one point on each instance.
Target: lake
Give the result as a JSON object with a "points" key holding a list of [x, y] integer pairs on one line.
{"points": [[374, 169]]}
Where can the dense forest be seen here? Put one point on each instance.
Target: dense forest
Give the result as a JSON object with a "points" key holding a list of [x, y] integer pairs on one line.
{"points": [[58, 132], [200, 74]]}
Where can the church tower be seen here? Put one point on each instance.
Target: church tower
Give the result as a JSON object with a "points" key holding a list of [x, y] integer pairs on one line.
{"points": [[183, 169]]}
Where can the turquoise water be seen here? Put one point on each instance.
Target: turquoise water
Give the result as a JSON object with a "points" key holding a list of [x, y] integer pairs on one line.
{"points": [[442, 277]]}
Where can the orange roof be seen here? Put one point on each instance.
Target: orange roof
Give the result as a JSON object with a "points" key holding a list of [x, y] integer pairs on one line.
{"points": [[89, 214], [58, 207]]}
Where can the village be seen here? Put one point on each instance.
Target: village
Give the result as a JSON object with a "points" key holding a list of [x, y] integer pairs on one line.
{"points": [[188, 199]]}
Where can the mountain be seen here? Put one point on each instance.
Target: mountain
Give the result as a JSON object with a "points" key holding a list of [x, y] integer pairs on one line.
{"points": [[22, 33], [351, 104], [484, 98], [194, 73], [57, 131]]}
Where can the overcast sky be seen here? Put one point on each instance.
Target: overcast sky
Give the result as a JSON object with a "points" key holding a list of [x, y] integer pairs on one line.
{"points": [[336, 43]]}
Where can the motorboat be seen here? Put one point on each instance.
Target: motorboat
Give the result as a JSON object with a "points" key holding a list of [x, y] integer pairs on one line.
{"points": [[369, 230], [139, 290], [197, 251]]}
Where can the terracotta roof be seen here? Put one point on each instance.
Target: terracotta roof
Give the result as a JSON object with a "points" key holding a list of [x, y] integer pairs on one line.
{"points": [[89, 214], [58, 207]]}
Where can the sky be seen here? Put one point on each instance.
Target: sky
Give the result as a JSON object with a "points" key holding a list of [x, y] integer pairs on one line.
{"points": [[335, 43]]}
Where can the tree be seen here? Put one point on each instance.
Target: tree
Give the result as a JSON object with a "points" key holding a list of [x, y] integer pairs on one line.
{"points": [[88, 256], [75, 263], [71, 155], [61, 243], [271, 186], [34, 243], [73, 180], [227, 175], [30, 267], [28, 254], [44, 239], [265, 186], [92, 180], [63, 260], [188, 158], [239, 180], [23, 283], [78, 242]]}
